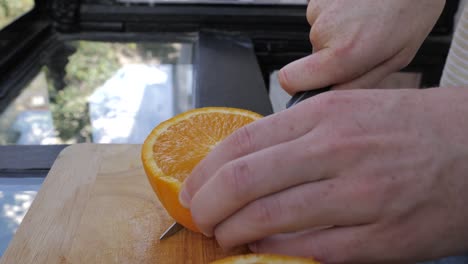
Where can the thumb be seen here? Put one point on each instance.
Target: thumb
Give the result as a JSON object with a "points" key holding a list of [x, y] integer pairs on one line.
{"points": [[322, 68]]}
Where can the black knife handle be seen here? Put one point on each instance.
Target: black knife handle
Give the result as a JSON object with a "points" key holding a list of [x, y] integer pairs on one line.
{"points": [[301, 96]]}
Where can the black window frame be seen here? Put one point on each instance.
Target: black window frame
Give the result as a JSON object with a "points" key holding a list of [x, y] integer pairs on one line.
{"points": [[261, 38]]}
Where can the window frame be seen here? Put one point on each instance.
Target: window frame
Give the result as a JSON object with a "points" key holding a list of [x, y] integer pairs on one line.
{"points": [[266, 38]]}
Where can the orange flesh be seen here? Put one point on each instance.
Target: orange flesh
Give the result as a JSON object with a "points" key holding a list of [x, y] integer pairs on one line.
{"points": [[176, 146], [182, 146]]}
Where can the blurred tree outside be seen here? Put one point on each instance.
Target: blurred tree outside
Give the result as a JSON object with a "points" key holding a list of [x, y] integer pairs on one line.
{"points": [[88, 68], [72, 75], [12, 9]]}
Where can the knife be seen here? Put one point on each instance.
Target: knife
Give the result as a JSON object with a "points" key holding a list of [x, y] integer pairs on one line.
{"points": [[172, 230], [301, 96], [297, 98]]}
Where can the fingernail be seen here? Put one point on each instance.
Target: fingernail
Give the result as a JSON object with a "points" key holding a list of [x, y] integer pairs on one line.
{"points": [[184, 198], [283, 80], [253, 247], [281, 76]]}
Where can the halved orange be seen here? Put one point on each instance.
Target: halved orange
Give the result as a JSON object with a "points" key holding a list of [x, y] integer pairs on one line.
{"points": [[173, 149], [264, 259]]}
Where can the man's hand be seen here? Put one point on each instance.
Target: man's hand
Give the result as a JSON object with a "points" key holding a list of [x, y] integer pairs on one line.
{"points": [[358, 43], [347, 176]]}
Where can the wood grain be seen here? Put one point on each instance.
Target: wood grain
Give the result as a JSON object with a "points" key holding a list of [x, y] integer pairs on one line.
{"points": [[96, 206]]}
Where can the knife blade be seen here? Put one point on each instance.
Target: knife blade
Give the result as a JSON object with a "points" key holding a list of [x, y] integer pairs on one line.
{"points": [[297, 98], [301, 96], [172, 230]]}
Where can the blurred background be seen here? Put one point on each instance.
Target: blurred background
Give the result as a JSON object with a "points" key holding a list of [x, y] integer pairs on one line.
{"points": [[97, 91]]}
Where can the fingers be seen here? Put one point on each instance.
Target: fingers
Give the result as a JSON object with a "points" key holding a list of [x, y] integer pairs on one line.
{"points": [[307, 73], [333, 245], [323, 68], [246, 179], [332, 61], [372, 78], [344, 56], [288, 125], [324, 203], [313, 10]]}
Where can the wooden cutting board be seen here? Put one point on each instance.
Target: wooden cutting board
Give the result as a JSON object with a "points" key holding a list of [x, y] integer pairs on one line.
{"points": [[96, 206]]}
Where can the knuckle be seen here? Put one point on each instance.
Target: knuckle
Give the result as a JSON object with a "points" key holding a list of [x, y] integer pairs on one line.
{"points": [[237, 176], [363, 192], [347, 60], [221, 238], [327, 251], [241, 141], [347, 49], [348, 249], [351, 135], [331, 100], [199, 218], [369, 194], [266, 211], [368, 190], [193, 183], [377, 195], [311, 12], [318, 31], [333, 147], [337, 143], [324, 253], [406, 61], [314, 35], [310, 16], [403, 60]]}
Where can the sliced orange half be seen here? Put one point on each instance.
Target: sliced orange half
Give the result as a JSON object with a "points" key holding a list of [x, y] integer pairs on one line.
{"points": [[264, 259], [176, 146]]}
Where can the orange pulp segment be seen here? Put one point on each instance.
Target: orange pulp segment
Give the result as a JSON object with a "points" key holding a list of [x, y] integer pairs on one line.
{"points": [[173, 149]]}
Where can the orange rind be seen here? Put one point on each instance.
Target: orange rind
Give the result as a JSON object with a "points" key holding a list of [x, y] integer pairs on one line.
{"points": [[174, 147]]}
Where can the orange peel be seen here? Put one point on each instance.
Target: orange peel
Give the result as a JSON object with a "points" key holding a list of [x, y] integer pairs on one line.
{"points": [[174, 147]]}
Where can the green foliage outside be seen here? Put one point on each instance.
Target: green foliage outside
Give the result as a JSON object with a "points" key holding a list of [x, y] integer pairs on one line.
{"points": [[11, 9], [88, 68]]}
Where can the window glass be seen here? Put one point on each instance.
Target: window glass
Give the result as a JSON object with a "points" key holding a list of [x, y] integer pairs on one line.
{"points": [[101, 92], [16, 196], [12, 9]]}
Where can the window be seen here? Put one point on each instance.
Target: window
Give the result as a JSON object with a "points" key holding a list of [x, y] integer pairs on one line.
{"points": [[16, 196], [10, 10], [101, 92]]}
